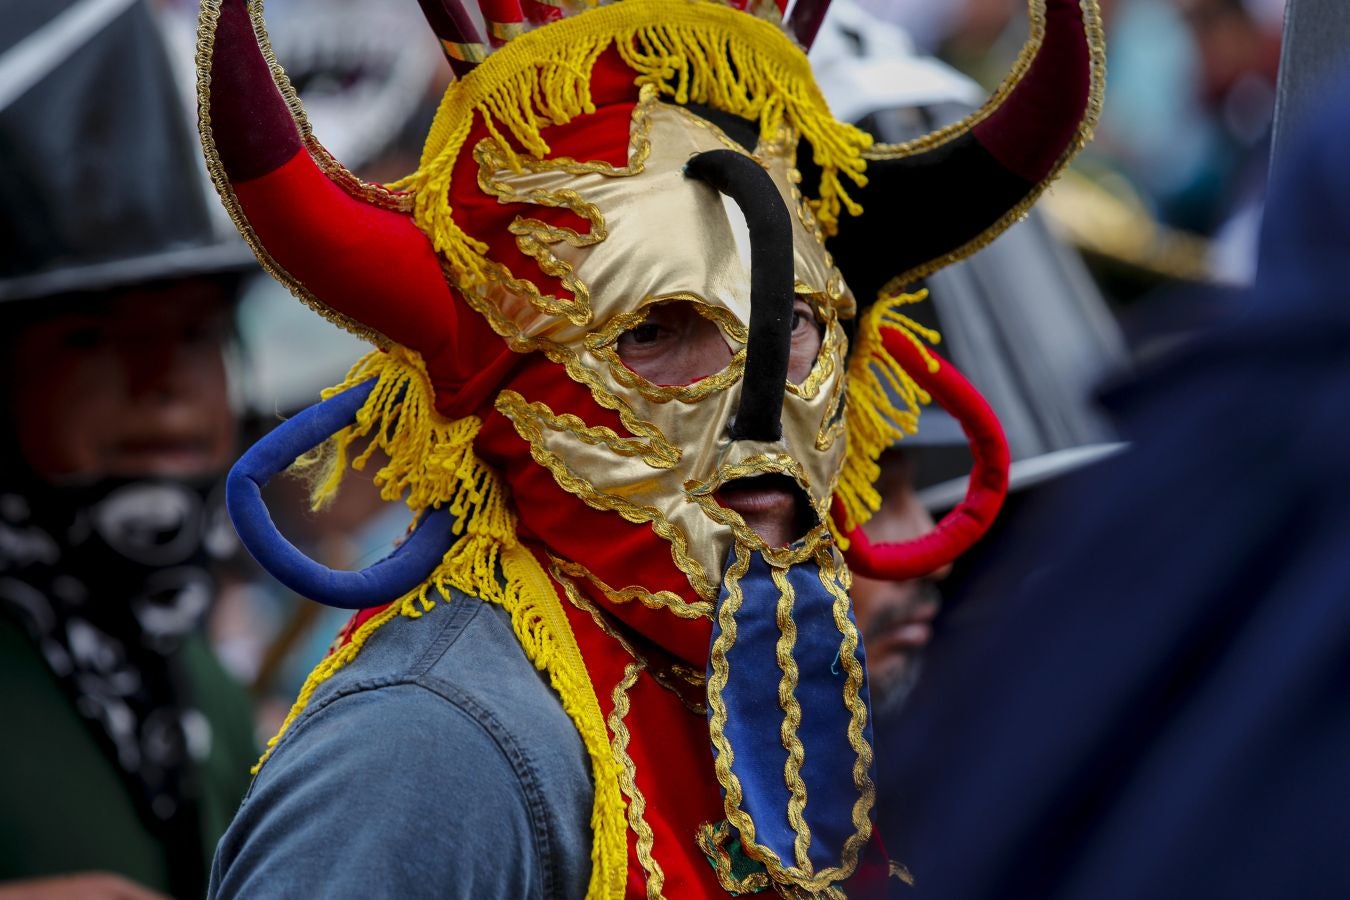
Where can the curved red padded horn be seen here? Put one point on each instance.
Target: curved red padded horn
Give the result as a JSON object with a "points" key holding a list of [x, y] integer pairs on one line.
{"points": [[343, 250], [963, 526]]}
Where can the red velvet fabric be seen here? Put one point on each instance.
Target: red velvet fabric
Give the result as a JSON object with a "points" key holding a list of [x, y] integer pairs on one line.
{"points": [[250, 121], [1033, 127]]}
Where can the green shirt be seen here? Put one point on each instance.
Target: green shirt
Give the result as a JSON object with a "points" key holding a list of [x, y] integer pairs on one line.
{"points": [[64, 806]]}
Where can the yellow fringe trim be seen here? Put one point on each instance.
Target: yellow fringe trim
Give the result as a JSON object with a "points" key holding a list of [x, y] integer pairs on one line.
{"points": [[874, 420], [431, 459], [693, 51]]}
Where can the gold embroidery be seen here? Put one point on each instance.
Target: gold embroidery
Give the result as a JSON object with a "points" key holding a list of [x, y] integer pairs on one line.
{"points": [[637, 803], [712, 841], [824, 364], [833, 423], [699, 609], [579, 599], [794, 879], [717, 683], [533, 236], [1097, 51], [761, 464], [603, 344], [853, 671], [792, 717], [374, 194], [659, 455], [638, 514]]}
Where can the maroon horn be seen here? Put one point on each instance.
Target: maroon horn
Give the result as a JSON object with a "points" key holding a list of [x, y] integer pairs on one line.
{"points": [[340, 245]]}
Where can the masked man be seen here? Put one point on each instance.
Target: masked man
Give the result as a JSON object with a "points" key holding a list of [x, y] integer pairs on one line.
{"points": [[632, 380], [125, 741]]}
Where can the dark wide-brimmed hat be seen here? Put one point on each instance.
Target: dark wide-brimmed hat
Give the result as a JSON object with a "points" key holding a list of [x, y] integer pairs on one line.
{"points": [[101, 184]]}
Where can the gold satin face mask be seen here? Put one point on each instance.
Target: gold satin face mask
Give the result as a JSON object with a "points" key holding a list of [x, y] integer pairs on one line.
{"points": [[658, 236]]}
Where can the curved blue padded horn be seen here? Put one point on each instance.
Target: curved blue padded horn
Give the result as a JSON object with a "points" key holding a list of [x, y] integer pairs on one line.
{"points": [[390, 578]]}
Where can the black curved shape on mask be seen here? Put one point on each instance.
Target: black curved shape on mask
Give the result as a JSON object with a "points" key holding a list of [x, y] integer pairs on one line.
{"points": [[759, 417]]}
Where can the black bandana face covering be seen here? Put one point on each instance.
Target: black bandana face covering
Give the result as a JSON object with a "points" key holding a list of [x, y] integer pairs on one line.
{"points": [[109, 577]]}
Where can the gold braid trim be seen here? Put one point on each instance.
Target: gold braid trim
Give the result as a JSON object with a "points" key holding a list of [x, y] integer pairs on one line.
{"points": [[692, 51], [637, 803], [792, 718], [874, 421], [790, 880]]}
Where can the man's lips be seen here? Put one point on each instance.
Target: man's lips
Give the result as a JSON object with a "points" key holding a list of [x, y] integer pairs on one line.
{"points": [[759, 500]]}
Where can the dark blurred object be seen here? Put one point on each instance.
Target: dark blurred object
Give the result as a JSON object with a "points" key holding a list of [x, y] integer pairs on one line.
{"points": [[1314, 47], [1160, 708], [101, 179]]}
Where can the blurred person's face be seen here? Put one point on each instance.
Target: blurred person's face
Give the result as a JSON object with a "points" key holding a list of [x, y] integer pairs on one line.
{"points": [[129, 384], [896, 617]]}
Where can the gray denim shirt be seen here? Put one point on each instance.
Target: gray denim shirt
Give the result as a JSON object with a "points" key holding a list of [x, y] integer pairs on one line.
{"points": [[438, 763]]}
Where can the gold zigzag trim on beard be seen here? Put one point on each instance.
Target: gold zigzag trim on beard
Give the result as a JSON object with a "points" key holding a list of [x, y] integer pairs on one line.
{"points": [[712, 840], [792, 717], [796, 877], [837, 580]]}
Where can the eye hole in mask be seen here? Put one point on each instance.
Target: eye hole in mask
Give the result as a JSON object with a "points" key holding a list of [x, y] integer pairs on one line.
{"points": [[676, 344]]}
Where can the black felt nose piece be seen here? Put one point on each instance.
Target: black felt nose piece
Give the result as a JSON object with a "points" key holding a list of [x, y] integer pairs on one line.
{"points": [[760, 415]]}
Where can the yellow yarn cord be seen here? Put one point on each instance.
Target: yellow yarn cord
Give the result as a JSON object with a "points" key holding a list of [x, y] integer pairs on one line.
{"points": [[874, 419], [693, 51], [432, 460]]}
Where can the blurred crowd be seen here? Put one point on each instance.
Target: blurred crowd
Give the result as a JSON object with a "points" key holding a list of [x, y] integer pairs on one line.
{"points": [[142, 349]]}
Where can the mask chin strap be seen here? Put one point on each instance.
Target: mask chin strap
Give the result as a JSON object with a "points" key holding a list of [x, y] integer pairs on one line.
{"points": [[967, 523], [387, 580]]}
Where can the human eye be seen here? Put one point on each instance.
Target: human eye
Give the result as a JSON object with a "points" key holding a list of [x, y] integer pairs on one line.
{"points": [[803, 318], [646, 333]]}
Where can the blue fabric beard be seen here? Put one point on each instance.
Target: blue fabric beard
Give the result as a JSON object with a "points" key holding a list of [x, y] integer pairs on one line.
{"points": [[789, 719]]}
